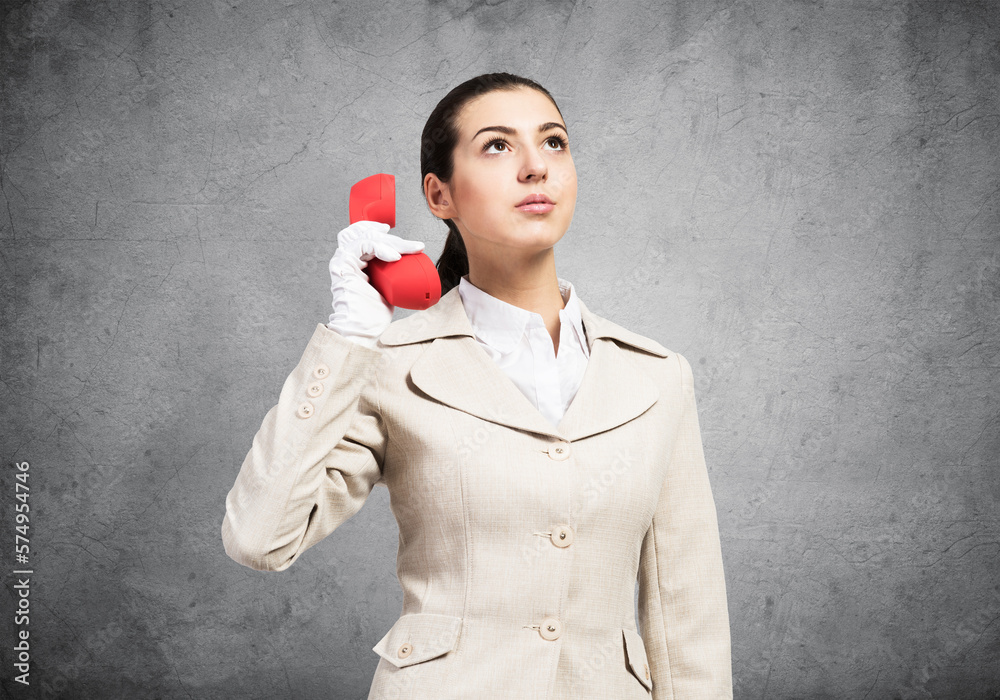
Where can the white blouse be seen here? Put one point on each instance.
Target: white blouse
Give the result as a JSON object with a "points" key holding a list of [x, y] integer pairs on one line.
{"points": [[519, 343]]}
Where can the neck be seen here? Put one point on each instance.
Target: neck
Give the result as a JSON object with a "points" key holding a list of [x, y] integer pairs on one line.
{"points": [[528, 282]]}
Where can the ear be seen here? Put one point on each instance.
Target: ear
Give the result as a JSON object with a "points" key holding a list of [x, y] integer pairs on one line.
{"points": [[439, 197]]}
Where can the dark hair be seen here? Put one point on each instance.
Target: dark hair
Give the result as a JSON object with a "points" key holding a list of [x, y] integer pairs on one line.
{"points": [[437, 148]]}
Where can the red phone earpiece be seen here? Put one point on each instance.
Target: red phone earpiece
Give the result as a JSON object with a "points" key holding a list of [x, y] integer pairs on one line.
{"points": [[412, 282]]}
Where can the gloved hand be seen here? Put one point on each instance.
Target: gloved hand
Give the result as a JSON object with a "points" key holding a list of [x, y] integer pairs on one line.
{"points": [[360, 313]]}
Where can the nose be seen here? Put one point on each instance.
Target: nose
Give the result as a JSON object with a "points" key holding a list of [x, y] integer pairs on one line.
{"points": [[534, 168]]}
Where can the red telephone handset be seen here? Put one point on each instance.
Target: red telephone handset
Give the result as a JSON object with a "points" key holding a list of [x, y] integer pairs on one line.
{"points": [[412, 282]]}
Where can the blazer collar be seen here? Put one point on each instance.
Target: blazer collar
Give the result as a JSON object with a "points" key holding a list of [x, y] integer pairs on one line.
{"points": [[456, 371]]}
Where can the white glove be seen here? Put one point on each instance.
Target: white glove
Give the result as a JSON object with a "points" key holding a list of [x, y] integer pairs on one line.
{"points": [[360, 313]]}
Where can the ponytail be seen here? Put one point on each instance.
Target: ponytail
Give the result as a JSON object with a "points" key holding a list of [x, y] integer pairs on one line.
{"points": [[454, 260]]}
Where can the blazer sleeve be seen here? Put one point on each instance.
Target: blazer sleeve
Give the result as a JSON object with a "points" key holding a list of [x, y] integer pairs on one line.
{"points": [[683, 611], [315, 459]]}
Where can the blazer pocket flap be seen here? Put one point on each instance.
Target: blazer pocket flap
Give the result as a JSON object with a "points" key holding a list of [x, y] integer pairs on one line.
{"points": [[418, 637], [635, 651]]}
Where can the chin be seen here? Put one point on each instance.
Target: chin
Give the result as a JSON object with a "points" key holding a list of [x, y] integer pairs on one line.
{"points": [[538, 234], [543, 238]]}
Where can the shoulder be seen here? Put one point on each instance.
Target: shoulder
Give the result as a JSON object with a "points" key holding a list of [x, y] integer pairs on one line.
{"points": [[445, 318], [598, 327], [671, 368]]}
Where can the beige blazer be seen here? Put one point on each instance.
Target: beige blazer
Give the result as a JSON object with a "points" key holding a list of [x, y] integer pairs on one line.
{"points": [[520, 542]]}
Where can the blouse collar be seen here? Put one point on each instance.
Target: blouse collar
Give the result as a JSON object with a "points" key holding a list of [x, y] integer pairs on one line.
{"points": [[501, 325]]}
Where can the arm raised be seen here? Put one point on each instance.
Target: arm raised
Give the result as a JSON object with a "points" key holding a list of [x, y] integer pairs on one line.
{"points": [[315, 458]]}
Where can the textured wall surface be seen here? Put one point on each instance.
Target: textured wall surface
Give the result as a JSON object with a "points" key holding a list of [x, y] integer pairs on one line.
{"points": [[801, 197]]}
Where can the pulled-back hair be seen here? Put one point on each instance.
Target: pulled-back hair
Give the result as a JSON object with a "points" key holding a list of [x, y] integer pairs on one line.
{"points": [[437, 151]]}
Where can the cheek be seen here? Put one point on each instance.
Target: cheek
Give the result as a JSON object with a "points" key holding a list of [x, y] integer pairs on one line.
{"points": [[567, 183], [476, 195]]}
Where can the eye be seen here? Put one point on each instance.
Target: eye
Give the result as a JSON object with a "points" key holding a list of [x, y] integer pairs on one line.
{"points": [[559, 140], [491, 142]]}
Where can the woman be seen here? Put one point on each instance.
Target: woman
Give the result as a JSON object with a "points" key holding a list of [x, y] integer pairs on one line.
{"points": [[540, 459]]}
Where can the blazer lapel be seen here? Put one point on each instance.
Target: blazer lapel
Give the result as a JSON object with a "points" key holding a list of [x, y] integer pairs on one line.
{"points": [[615, 389], [456, 371]]}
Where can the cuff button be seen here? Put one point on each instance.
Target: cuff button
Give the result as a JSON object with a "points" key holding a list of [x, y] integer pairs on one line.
{"points": [[304, 410], [321, 371]]}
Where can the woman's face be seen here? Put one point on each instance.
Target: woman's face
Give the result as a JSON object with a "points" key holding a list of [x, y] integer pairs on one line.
{"points": [[495, 171]]}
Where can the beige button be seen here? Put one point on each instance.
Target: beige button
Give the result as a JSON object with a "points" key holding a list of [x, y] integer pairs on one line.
{"points": [[645, 667], [305, 410], [562, 536], [559, 451], [405, 650], [321, 371], [315, 389], [550, 629]]}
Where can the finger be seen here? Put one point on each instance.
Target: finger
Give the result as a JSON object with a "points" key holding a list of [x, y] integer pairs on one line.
{"points": [[360, 230], [405, 246], [365, 249], [386, 252], [372, 226], [342, 263]]}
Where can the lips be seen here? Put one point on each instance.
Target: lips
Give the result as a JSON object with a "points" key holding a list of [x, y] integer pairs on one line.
{"points": [[535, 199]]}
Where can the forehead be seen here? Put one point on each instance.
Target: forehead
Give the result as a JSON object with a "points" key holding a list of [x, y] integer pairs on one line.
{"points": [[523, 109]]}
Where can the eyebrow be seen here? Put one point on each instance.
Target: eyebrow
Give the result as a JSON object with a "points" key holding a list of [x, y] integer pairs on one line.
{"points": [[513, 132]]}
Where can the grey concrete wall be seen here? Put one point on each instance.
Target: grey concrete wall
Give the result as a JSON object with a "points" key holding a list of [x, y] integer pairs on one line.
{"points": [[802, 197]]}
